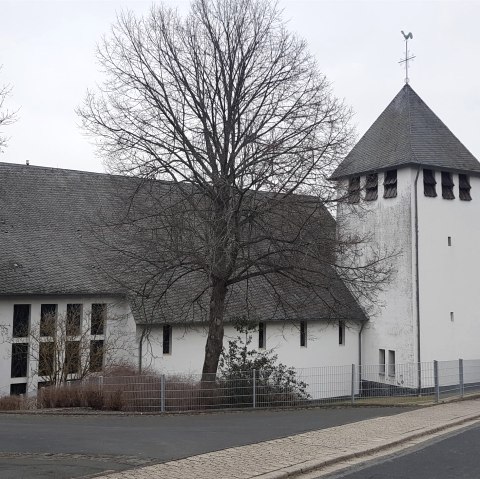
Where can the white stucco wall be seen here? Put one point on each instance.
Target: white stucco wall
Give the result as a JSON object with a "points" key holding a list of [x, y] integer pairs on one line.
{"points": [[120, 327], [449, 274], [322, 350], [387, 223]]}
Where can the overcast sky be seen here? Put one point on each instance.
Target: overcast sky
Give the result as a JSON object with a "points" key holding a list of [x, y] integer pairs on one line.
{"points": [[47, 52]]}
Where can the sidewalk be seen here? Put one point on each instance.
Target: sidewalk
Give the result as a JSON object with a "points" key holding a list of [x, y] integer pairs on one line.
{"points": [[292, 455]]}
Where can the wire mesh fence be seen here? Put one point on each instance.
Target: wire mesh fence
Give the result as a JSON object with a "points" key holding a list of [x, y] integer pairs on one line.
{"points": [[350, 384]]}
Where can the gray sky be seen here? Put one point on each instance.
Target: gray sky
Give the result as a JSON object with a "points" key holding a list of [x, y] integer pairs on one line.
{"points": [[47, 53]]}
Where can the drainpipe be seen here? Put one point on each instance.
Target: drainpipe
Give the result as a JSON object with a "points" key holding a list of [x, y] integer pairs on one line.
{"points": [[360, 356], [140, 350], [417, 284]]}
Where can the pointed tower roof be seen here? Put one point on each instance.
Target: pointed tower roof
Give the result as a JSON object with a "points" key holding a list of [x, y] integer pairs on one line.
{"points": [[407, 133]]}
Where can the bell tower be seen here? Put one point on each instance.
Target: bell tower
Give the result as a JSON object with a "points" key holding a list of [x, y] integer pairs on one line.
{"points": [[416, 189]]}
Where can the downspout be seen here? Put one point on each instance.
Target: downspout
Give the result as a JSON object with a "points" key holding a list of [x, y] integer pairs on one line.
{"points": [[140, 350], [360, 356], [417, 285]]}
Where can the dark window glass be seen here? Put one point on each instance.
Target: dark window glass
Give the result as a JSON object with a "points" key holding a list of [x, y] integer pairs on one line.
{"points": [[74, 315], [381, 360], [261, 336], [167, 339], [72, 357], [464, 187], [48, 319], [429, 183], [21, 320], [19, 360], [371, 187], [98, 317], [354, 189], [46, 358], [17, 389], [390, 184], [447, 186], [341, 333], [303, 333], [96, 356], [391, 363]]}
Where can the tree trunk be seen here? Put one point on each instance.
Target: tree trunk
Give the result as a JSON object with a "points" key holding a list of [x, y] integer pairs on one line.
{"points": [[213, 348]]}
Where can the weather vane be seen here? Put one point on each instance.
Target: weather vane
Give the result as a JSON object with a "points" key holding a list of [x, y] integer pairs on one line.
{"points": [[407, 57]]}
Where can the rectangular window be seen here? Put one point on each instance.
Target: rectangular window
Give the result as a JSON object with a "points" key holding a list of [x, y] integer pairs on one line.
{"points": [[371, 187], [72, 357], [381, 361], [391, 363], [19, 360], [341, 333], [48, 319], [96, 356], [449, 241], [303, 334], [46, 358], [429, 183], [167, 339], [98, 318], [464, 187], [74, 318], [17, 389], [447, 186], [390, 184], [261, 336], [354, 189], [21, 320]]}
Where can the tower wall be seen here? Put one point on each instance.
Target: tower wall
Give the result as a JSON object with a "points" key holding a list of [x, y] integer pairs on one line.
{"points": [[388, 222], [449, 279]]}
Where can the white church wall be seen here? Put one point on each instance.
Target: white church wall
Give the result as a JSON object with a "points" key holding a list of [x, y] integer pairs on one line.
{"points": [[449, 286], [388, 221], [322, 349], [120, 328]]}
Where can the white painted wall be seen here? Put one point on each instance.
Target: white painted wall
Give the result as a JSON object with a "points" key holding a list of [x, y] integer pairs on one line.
{"points": [[323, 349], [120, 325], [449, 274], [388, 222]]}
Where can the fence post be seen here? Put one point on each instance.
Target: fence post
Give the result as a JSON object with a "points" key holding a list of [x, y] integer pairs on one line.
{"points": [[162, 393], [254, 373], [436, 382], [460, 377], [353, 383]]}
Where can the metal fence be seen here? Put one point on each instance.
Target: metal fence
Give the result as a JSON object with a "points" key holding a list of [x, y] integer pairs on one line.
{"points": [[380, 384]]}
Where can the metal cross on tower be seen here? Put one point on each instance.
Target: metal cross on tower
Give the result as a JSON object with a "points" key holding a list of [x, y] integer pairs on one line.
{"points": [[407, 57]]}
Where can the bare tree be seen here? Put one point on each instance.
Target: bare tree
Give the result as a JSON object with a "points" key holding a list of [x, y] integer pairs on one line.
{"points": [[7, 117], [230, 108]]}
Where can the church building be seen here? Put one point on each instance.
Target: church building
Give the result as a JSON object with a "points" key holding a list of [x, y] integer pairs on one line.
{"points": [[415, 189]]}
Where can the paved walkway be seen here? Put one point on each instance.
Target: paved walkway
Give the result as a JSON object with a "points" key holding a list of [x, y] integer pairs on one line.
{"points": [[292, 455]]}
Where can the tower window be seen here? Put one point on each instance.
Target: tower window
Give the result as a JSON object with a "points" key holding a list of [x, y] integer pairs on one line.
{"points": [[261, 336], [447, 186], [464, 186], [390, 184], [371, 187], [429, 183], [354, 189]]}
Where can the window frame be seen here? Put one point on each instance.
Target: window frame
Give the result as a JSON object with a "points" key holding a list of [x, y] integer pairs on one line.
{"points": [[17, 328], [353, 190], [303, 334], [371, 187], [167, 340], [341, 333], [464, 187], [382, 362], [97, 328], [24, 359], [429, 183], [391, 363], [262, 338]]}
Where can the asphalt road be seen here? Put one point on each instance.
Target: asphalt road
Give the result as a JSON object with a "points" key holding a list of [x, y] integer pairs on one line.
{"points": [[454, 456], [55, 446]]}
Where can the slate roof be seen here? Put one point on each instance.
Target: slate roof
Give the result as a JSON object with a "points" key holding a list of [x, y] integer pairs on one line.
{"points": [[407, 133], [46, 217]]}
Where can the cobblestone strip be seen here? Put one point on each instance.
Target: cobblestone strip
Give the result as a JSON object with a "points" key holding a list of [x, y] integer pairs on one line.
{"points": [[285, 457]]}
